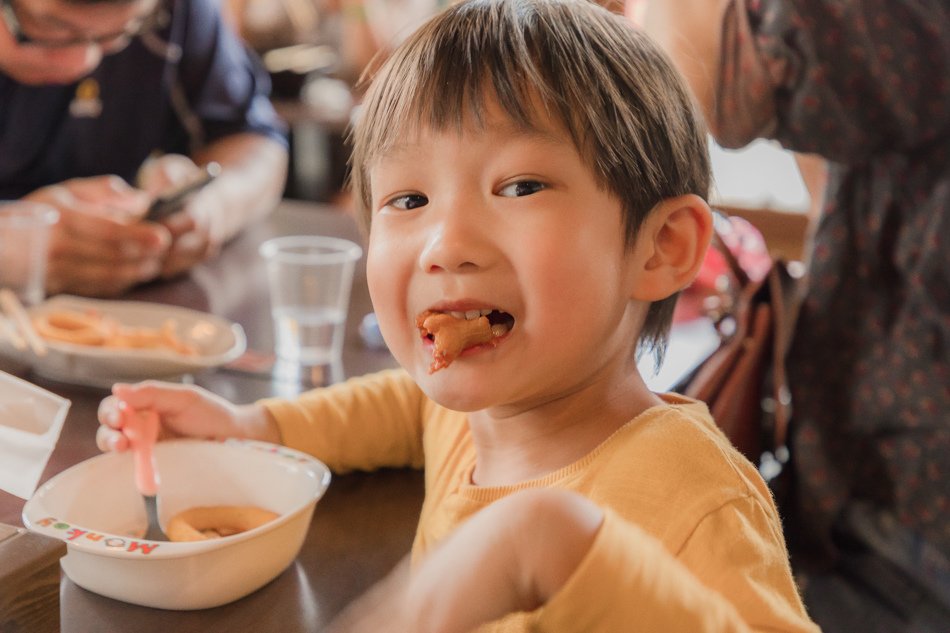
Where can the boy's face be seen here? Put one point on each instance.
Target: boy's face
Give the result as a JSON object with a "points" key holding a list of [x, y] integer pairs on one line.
{"points": [[506, 220], [58, 42]]}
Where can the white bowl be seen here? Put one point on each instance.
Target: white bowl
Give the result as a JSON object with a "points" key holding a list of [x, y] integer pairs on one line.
{"points": [[94, 507]]}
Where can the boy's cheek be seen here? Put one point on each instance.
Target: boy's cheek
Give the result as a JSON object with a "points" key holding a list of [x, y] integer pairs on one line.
{"points": [[385, 265], [387, 294]]}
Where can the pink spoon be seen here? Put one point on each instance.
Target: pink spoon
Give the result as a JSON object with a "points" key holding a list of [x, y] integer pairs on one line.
{"points": [[141, 428]]}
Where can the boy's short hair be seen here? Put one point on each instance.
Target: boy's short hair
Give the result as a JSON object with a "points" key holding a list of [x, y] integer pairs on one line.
{"points": [[627, 110]]}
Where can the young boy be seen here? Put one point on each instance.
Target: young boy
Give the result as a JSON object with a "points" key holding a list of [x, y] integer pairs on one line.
{"points": [[531, 173]]}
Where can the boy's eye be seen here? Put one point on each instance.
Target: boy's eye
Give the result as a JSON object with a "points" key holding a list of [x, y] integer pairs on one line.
{"points": [[521, 188], [409, 201]]}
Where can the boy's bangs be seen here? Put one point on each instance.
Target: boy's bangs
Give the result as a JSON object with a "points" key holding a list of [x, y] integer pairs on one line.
{"points": [[448, 71], [437, 88]]}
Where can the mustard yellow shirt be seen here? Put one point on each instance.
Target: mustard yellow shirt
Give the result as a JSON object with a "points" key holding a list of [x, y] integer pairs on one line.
{"points": [[691, 540]]}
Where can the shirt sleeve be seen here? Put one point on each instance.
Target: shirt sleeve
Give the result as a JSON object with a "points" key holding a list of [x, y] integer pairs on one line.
{"points": [[365, 423], [841, 79], [226, 88], [732, 575]]}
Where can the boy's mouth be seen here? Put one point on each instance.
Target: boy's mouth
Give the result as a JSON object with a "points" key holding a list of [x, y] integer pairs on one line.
{"points": [[453, 332], [500, 322]]}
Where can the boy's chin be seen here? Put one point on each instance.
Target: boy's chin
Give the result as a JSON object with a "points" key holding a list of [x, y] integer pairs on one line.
{"points": [[453, 390]]}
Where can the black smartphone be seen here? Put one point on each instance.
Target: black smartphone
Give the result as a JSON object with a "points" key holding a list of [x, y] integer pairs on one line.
{"points": [[172, 201]]}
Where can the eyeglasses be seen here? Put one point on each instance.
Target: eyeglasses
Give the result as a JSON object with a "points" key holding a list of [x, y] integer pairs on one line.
{"points": [[107, 41]]}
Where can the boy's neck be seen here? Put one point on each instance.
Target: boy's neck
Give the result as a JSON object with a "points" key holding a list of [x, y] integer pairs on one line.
{"points": [[516, 446]]}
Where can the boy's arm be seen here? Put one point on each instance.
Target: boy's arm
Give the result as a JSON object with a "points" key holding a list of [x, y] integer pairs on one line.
{"points": [[512, 556], [365, 423], [591, 571]]}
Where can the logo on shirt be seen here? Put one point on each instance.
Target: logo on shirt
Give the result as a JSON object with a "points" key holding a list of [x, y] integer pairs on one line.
{"points": [[86, 103]]}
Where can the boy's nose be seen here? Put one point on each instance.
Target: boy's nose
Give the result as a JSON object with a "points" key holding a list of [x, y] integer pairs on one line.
{"points": [[455, 243]]}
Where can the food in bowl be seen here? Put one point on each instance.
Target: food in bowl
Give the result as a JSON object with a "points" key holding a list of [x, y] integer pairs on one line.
{"points": [[204, 522], [97, 510]]}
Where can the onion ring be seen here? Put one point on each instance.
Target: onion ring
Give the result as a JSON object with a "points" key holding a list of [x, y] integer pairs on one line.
{"points": [[205, 522], [97, 330]]}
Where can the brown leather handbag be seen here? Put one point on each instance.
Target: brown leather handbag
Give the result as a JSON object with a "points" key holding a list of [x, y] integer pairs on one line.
{"points": [[744, 381]]}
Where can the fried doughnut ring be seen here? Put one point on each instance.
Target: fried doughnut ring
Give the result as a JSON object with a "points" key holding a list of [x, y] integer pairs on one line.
{"points": [[72, 326], [170, 339], [94, 329], [452, 335], [204, 522]]}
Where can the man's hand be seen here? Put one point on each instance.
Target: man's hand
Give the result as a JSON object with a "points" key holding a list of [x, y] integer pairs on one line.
{"points": [[193, 228], [99, 247]]}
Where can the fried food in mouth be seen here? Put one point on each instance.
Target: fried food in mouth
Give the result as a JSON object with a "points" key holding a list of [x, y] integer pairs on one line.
{"points": [[453, 333]]}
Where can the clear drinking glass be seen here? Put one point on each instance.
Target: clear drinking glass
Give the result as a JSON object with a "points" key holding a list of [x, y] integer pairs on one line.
{"points": [[25, 229], [310, 278]]}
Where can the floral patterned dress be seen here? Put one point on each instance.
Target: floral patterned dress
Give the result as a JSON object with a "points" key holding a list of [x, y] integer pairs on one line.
{"points": [[866, 84]]}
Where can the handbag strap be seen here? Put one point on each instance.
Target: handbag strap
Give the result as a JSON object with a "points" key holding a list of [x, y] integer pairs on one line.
{"points": [[785, 302]]}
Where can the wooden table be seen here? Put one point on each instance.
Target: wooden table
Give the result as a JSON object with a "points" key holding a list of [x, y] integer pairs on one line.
{"points": [[361, 528]]}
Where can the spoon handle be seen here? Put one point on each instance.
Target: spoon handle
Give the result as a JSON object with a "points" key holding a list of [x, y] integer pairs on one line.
{"points": [[141, 427]]}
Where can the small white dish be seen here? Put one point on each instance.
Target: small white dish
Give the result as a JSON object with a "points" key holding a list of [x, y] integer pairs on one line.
{"points": [[95, 508], [218, 341]]}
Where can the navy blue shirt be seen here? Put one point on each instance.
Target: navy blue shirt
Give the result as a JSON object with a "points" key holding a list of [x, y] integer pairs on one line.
{"points": [[187, 83]]}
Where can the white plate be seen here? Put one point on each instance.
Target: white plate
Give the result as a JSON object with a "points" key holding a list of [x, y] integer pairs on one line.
{"points": [[218, 340]]}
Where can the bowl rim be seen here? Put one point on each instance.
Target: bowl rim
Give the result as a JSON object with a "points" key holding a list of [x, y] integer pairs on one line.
{"points": [[36, 518]]}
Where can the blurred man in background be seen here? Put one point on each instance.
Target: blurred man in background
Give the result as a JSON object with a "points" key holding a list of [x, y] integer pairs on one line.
{"points": [[104, 104]]}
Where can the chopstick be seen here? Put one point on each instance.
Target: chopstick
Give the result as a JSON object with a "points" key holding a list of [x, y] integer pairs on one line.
{"points": [[9, 332], [15, 310]]}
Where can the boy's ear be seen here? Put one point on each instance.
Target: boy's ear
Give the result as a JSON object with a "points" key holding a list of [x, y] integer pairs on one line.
{"points": [[670, 247]]}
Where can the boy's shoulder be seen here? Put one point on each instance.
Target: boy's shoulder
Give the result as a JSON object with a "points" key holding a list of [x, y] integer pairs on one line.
{"points": [[682, 418], [675, 454], [683, 425], [680, 424]]}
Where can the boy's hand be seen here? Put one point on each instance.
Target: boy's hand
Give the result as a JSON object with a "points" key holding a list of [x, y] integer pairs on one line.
{"points": [[184, 411]]}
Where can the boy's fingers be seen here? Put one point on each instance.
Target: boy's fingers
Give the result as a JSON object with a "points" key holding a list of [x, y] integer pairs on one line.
{"points": [[165, 398], [109, 439], [108, 413], [143, 395]]}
